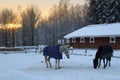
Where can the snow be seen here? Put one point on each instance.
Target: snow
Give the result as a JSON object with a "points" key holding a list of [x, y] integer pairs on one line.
{"points": [[17, 75], [31, 66], [100, 30]]}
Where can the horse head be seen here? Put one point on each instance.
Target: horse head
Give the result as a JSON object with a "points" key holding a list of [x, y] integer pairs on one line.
{"points": [[95, 63], [64, 49], [67, 54]]}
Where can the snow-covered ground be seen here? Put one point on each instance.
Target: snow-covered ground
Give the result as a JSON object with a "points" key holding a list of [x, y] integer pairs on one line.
{"points": [[31, 66]]}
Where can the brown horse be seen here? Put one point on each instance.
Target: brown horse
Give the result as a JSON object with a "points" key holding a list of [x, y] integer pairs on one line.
{"points": [[104, 53]]}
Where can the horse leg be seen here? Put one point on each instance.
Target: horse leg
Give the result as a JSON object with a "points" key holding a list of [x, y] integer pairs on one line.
{"points": [[55, 63], [109, 61], [46, 61], [59, 64], [104, 63], [49, 62], [99, 63]]}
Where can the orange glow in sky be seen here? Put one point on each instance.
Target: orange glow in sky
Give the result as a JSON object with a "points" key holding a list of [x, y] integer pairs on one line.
{"points": [[43, 5], [11, 26], [15, 26]]}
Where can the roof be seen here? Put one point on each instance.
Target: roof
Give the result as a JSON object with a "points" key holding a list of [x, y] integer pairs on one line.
{"points": [[100, 30]]}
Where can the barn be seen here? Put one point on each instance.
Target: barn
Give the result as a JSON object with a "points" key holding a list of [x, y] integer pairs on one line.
{"points": [[92, 36]]}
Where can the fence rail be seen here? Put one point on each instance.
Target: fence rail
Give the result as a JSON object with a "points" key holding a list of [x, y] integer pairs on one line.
{"points": [[22, 49], [39, 49]]}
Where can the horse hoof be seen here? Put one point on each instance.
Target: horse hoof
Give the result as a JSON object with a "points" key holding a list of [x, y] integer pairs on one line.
{"points": [[59, 67], [46, 66]]}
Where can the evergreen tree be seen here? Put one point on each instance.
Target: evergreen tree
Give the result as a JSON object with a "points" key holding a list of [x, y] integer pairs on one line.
{"points": [[104, 11], [114, 7], [92, 12]]}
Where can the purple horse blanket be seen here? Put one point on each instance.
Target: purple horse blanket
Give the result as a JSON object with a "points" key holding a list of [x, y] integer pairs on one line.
{"points": [[52, 51]]}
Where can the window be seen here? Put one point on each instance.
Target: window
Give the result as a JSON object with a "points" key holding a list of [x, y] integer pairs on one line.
{"points": [[112, 40], [67, 41], [73, 40], [82, 40], [60, 41], [91, 40]]}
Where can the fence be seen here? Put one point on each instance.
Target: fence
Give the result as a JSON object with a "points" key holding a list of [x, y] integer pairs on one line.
{"points": [[22, 49]]}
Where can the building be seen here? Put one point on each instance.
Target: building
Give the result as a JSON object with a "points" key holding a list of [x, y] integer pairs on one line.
{"points": [[92, 36]]}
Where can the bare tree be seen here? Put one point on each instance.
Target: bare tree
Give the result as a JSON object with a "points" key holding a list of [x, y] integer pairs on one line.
{"points": [[6, 16], [65, 18], [54, 22], [63, 13], [30, 18], [84, 14]]}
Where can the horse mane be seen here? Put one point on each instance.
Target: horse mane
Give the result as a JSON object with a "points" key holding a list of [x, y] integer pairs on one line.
{"points": [[98, 53], [104, 51], [63, 49]]}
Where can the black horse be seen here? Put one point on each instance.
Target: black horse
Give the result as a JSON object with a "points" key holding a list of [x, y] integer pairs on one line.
{"points": [[104, 52]]}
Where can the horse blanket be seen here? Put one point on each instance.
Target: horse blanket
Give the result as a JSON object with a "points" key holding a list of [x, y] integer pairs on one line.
{"points": [[104, 51], [52, 51]]}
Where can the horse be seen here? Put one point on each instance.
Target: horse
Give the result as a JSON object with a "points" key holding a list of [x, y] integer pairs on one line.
{"points": [[104, 52], [56, 53]]}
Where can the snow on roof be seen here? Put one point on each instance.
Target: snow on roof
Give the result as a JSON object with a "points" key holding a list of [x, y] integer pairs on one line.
{"points": [[100, 30]]}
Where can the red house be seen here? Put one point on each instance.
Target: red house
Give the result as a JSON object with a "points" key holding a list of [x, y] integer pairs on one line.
{"points": [[92, 36]]}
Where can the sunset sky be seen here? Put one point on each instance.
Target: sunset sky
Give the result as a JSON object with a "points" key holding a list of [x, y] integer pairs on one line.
{"points": [[43, 5]]}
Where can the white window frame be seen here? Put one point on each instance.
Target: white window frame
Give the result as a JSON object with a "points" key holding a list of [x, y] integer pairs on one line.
{"points": [[60, 41], [112, 39], [92, 39], [82, 40], [73, 40], [67, 40]]}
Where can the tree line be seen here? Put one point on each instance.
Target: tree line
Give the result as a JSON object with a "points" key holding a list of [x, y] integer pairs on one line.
{"points": [[104, 11], [63, 19]]}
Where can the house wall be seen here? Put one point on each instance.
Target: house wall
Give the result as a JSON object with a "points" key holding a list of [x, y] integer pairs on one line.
{"points": [[117, 45], [97, 42]]}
